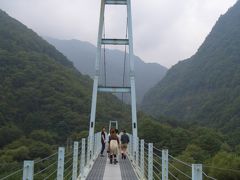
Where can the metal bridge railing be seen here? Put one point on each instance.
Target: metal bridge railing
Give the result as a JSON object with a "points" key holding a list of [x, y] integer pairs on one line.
{"points": [[61, 165], [152, 163], [149, 163]]}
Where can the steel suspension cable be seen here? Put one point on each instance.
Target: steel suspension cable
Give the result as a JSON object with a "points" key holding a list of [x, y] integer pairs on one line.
{"points": [[157, 169], [45, 169], [156, 175], [157, 162], [173, 175], [157, 149], [180, 171], [14, 173], [67, 170], [157, 155], [184, 163], [209, 177], [46, 158], [125, 58], [104, 54], [223, 169], [50, 175]]}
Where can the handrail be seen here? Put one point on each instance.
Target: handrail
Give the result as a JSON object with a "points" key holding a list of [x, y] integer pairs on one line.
{"points": [[147, 166]]}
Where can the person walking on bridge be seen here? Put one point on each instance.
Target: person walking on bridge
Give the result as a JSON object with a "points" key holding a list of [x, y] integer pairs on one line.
{"points": [[124, 144], [113, 145], [103, 140]]}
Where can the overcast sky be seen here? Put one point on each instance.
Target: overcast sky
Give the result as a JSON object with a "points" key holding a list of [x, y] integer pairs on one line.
{"points": [[165, 31]]}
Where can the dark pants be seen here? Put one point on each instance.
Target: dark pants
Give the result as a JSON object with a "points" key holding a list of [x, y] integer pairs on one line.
{"points": [[103, 148]]}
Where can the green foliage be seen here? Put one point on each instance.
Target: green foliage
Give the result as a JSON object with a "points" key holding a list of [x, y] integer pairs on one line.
{"points": [[222, 164], [43, 136], [19, 154], [204, 91], [204, 88], [9, 133], [43, 99], [38, 149]]}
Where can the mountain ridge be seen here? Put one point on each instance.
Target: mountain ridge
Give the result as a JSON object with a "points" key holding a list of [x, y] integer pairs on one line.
{"points": [[41, 89], [204, 87], [82, 54]]}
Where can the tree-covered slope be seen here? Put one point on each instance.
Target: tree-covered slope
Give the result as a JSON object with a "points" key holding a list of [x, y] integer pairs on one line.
{"points": [[82, 54], [43, 98], [205, 87]]}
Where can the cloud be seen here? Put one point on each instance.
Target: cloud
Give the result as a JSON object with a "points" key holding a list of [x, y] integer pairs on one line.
{"points": [[165, 31]]}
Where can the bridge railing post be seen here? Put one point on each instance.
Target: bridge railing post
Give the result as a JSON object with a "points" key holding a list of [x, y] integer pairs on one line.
{"points": [[142, 159], [99, 142], [28, 170], [165, 164], [131, 139], [60, 169], [75, 161], [197, 172], [88, 151], [137, 152], [83, 156], [95, 146], [130, 145], [150, 161]]}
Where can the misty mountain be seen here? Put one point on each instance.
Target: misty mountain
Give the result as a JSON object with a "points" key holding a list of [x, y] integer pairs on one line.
{"points": [[82, 54], [41, 90], [206, 87]]}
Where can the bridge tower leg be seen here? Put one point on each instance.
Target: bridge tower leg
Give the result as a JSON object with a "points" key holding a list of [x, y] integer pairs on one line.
{"points": [[96, 88]]}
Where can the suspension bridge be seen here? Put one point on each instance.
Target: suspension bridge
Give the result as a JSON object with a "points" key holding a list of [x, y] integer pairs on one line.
{"points": [[144, 161], [79, 163]]}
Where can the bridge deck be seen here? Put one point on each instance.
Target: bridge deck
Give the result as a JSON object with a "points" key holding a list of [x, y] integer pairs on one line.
{"points": [[103, 170]]}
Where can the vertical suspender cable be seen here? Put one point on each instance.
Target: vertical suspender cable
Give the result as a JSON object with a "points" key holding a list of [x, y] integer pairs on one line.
{"points": [[125, 59], [104, 56]]}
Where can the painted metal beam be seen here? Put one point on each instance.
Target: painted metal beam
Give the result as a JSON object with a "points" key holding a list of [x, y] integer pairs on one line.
{"points": [[116, 2], [114, 89], [115, 41]]}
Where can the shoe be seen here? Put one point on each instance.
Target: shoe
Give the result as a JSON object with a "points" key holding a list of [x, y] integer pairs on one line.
{"points": [[122, 156], [111, 158]]}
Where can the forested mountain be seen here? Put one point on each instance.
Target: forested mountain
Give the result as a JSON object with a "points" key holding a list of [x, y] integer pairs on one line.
{"points": [[206, 87], [43, 98], [82, 54]]}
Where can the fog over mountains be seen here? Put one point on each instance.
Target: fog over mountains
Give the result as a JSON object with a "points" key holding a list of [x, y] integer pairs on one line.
{"points": [[205, 87], [82, 54]]}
